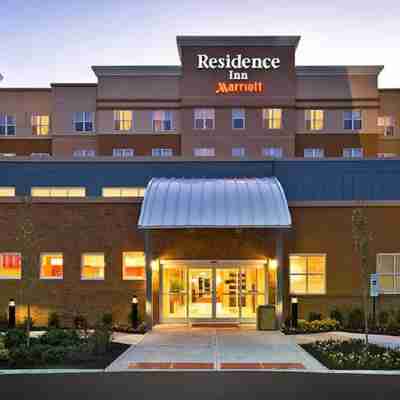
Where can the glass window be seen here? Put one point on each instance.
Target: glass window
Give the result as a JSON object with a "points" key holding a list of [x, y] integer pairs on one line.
{"points": [[314, 120], [92, 266], [8, 154], [58, 192], [84, 153], [388, 268], [162, 152], [83, 121], [122, 120], [355, 152], [40, 155], [123, 191], [51, 266], [388, 123], [123, 152], [314, 153], [40, 125], [10, 266], [162, 121], [307, 273], [275, 152], [7, 191], [272, 118], [238, 118], [352, 120], [7, 124], [204, 152], [133, 265], [204, 118], [238, 151]]}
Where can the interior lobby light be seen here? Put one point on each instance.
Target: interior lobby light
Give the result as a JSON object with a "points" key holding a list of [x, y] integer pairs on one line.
{"points": [[273, 264]]}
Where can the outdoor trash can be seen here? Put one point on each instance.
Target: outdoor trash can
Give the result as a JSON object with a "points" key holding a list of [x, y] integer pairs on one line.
{"points": [[266, 318]]}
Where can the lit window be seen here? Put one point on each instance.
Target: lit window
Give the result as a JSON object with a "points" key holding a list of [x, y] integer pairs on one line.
{"points": [[40, 155], [352, 120], [314, 120], [7, 125], [84, 153], [204, 118], [314, 153], [83, 121], [123, 152], [204, 152], [7, 191], [162, 121], [92, 266], [272, 118], [355, 152], [10, 266], [388, 268], [51, 266], [123, 191], [58, 192], [133, 265], [238, 151], [8, 154], [387, 155], [275, 152], [238, 118], [122, 120], [388, 123], [162, 152], [40, 125], [307, 274]]}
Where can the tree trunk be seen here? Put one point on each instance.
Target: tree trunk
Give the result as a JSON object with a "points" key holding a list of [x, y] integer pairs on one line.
{"points": [[28, 326], [366, 309]]}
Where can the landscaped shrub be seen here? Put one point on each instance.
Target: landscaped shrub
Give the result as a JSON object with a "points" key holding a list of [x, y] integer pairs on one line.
{"points": [[15, 338], [25, 323], [3, 351], [315, 326], [337, 315], [100, 339], [107, 319], [60, 337], [314, 316], [392, 324], [80, 322], [54, 320], [355, 319], [3, 321], [383, 318]]}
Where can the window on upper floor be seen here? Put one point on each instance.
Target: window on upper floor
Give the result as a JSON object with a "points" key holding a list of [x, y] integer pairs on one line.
{"points": [[133, 265], [10, 265], [8, 154], [123, 120], [163, 121], [388, 123], [314, 153], [238, 118], [84, 153], [123, 152], [51, 266], [40, 124], [58, 191], [352, 120], [134, 191], [354, 152], [275, 152], [7, 191], [204, 152], [7, 124], [314, 120], [40, 155], [272, 118], [83, 121], [387, 155], [92, 266], [388, 269], [238, 152], [162, 152], [204, 118]]}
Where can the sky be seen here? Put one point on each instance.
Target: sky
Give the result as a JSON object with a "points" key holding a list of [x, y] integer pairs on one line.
{"points": [[45, 41]]}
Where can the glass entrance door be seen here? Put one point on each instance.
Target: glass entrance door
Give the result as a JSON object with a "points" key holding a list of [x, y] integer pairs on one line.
{"points": [[201, 293], [227, 293]]}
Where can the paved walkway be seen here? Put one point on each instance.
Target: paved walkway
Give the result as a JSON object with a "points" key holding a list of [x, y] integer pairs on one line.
{"points": [[180, 347]]}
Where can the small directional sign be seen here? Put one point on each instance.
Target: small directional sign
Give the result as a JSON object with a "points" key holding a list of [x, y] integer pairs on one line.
{"points": [[374, 285]]}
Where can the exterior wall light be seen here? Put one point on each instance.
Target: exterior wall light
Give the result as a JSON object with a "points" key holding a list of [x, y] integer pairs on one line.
{"points": [[295, 312], [11, 314], [135, 312]]}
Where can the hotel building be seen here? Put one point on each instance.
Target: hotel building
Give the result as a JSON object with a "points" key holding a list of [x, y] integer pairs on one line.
{"points": [[205, 189]]}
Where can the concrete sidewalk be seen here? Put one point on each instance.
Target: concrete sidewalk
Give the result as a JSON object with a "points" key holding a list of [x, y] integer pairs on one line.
{"points": [[181, 347]]}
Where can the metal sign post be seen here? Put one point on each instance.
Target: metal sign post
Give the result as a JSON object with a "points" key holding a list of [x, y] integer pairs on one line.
{"points": [[374, 293]]}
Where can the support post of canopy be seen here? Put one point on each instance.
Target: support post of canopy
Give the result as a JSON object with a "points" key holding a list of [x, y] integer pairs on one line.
{"points": [[280, 275], [149, 279]]}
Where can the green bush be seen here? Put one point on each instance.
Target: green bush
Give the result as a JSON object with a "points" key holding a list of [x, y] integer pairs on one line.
{"points": [[54, 320], [383, 318], [100, 339], [25, 323], [392, 324], [337, 315], [60, 337], [314, 316], [14, 338], [3, 321], [303, 326], [355, 319], [107, 319], [80, 322]]}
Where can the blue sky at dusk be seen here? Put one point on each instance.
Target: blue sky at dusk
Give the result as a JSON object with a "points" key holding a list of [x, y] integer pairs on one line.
{"points": [[58, 41]]}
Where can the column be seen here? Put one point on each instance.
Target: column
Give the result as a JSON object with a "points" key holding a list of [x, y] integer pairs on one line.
{"points": [[149, 279], [280, 277]]}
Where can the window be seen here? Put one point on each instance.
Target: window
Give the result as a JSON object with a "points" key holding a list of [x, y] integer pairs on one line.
{"points": [[92, 266], [162, 121], [162, 152], [204, 118], [388, 123], [204, 152], [123, 152], [10, 266], [123, 191], [40, 125], [51, 266], [133, 265], [58, 192], [7, 124], [314, 120], [238, 118], [7, 191], [388, 268], [387, 155], [84, 121], [8, 154], [272, 118], [275, 152], [307, 273], [122, 120], [40, 155], [314, 153], [84, 153], [238, 151], [352, 120], [356, 152]]}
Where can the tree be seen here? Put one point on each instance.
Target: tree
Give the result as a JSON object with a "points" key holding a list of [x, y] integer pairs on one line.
{"points": [[361, 240]]}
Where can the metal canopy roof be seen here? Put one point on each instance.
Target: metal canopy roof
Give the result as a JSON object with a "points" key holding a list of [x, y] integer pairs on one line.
{"points": [[171, 203]]}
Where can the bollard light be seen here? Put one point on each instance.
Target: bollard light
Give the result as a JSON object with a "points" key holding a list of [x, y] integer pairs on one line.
{"points": [[11, 314], [295, 312], [135, 312]]}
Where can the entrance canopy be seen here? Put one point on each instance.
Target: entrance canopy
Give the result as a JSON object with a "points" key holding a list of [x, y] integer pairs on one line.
{"points": [[173, 203]]}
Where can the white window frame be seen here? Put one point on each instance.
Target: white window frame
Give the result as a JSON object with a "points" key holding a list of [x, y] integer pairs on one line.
{"points": [[7, 125], [312, 121], [270, 118], [124, 253], [352, 152], [396, 272], [40, 155], [124, 152], [162, 152], [38, 125], [238, 152], [85, 121], [204, 152], [7, 191], [82, 153], [7, 155], [387, 155], [352, 120], [5, 278], [201, 115], [121, 191], [242, 118], [94, 253], [117, 113], [272, 151], [51, 278], [306, 274], [316, 152], [52, 191], [163, 120]]}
